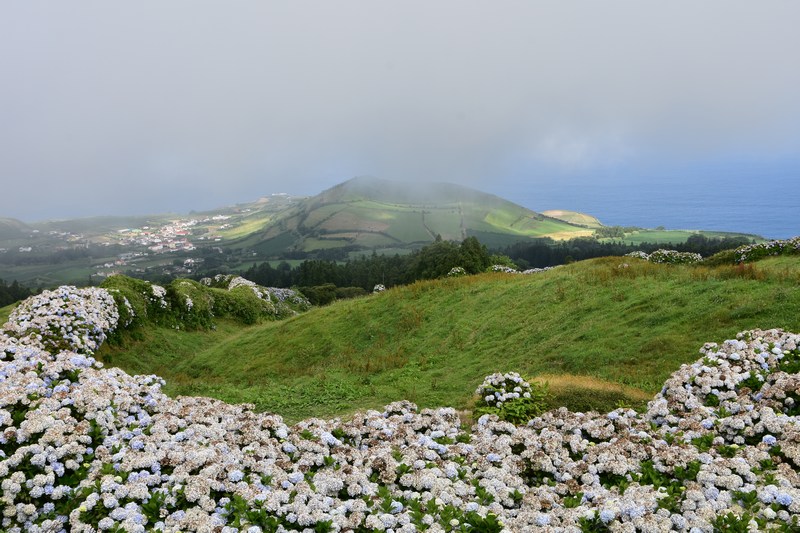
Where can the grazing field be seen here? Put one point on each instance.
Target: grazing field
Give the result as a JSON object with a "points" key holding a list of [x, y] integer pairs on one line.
{"points": [[602, 332], [674, 236], [4, 312], [573, 217]]}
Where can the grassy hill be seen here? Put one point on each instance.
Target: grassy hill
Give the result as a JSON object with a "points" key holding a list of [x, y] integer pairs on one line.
{"points": [[573, 217], [376, 213], [11, 228], [348, 220], [4, 312], [600, 332]]}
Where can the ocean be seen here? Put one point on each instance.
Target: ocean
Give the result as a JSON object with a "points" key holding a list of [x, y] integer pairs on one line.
{"points": [[766, 205]]}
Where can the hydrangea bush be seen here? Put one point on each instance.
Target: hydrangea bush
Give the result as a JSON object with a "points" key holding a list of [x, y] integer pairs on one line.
{"points": [[85, 448], [511, 398], [191, 305], [669, 257], [66, 318], [456, 272], [638, 254], [754, 252], [140, 302], [269, 301], [503, 268], [537, 270]]}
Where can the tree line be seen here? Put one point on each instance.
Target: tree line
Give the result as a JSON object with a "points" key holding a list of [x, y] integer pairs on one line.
{"points": [[547, 252], [319, 278], [13, 292], [324, 280]]}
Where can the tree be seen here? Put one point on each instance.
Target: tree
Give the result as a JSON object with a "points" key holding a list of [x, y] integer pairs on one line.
{"points": [[474, 256], [435, 260]]}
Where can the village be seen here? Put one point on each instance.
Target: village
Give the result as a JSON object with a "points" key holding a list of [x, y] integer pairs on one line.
{"points": [[174, 236]]}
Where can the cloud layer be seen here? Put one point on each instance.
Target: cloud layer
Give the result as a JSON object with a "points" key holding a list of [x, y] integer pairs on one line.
{"points": [[154, 106]]}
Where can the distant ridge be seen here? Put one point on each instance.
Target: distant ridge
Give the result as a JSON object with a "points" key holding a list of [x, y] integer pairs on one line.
{"points": [[11, 228], [363, 215], [389, 191], [373, 213], [574, 217]]}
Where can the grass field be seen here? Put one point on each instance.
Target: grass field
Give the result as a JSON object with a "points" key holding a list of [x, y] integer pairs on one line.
{"points": [[674, 236], [381, 214], [4, 312], [68, 272], [573, 217], [247, 226], [602, 333]]}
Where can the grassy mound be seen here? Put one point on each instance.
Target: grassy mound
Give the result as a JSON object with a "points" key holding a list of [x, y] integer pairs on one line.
{"points": [[621, 320], [5, 312]]}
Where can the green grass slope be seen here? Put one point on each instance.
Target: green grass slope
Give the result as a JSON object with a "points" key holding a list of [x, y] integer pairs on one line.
{"points": [[5, 312], [11, 228], [573, 217], [599, 331], [676, 236], [380, 213]]}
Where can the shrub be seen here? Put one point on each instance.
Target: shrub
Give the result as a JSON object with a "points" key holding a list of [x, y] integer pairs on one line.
{"points": [[502, 268], [192, 303], [511, 398], [456, 272], [273, 303], [320, 294], [148, 301], [504, 260], [672, 257], [725, 257], [343, 293], [638, 254], [754, 252], [668, 257], [67, 318], [241, 303]]}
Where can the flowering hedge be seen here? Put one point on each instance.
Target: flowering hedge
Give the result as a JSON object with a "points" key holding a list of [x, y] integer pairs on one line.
{"points": [[754, 252], [502, 268], [252, 301], [84, 448], [670, 257], [66, 318], [148, 303], [188, 304]]}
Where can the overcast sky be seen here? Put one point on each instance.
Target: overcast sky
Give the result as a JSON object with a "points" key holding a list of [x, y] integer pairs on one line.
{"points": [[167, 105]]}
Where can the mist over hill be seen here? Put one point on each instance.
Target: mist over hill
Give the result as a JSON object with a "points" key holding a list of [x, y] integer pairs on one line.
{"points": [[358, 217], [371, 213]]}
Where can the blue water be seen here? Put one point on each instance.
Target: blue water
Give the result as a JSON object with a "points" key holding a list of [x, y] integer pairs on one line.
{"points": [[766, 205]]}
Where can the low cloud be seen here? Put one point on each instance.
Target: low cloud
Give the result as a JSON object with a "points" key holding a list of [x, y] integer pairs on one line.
{"points": [[191, 104]]}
